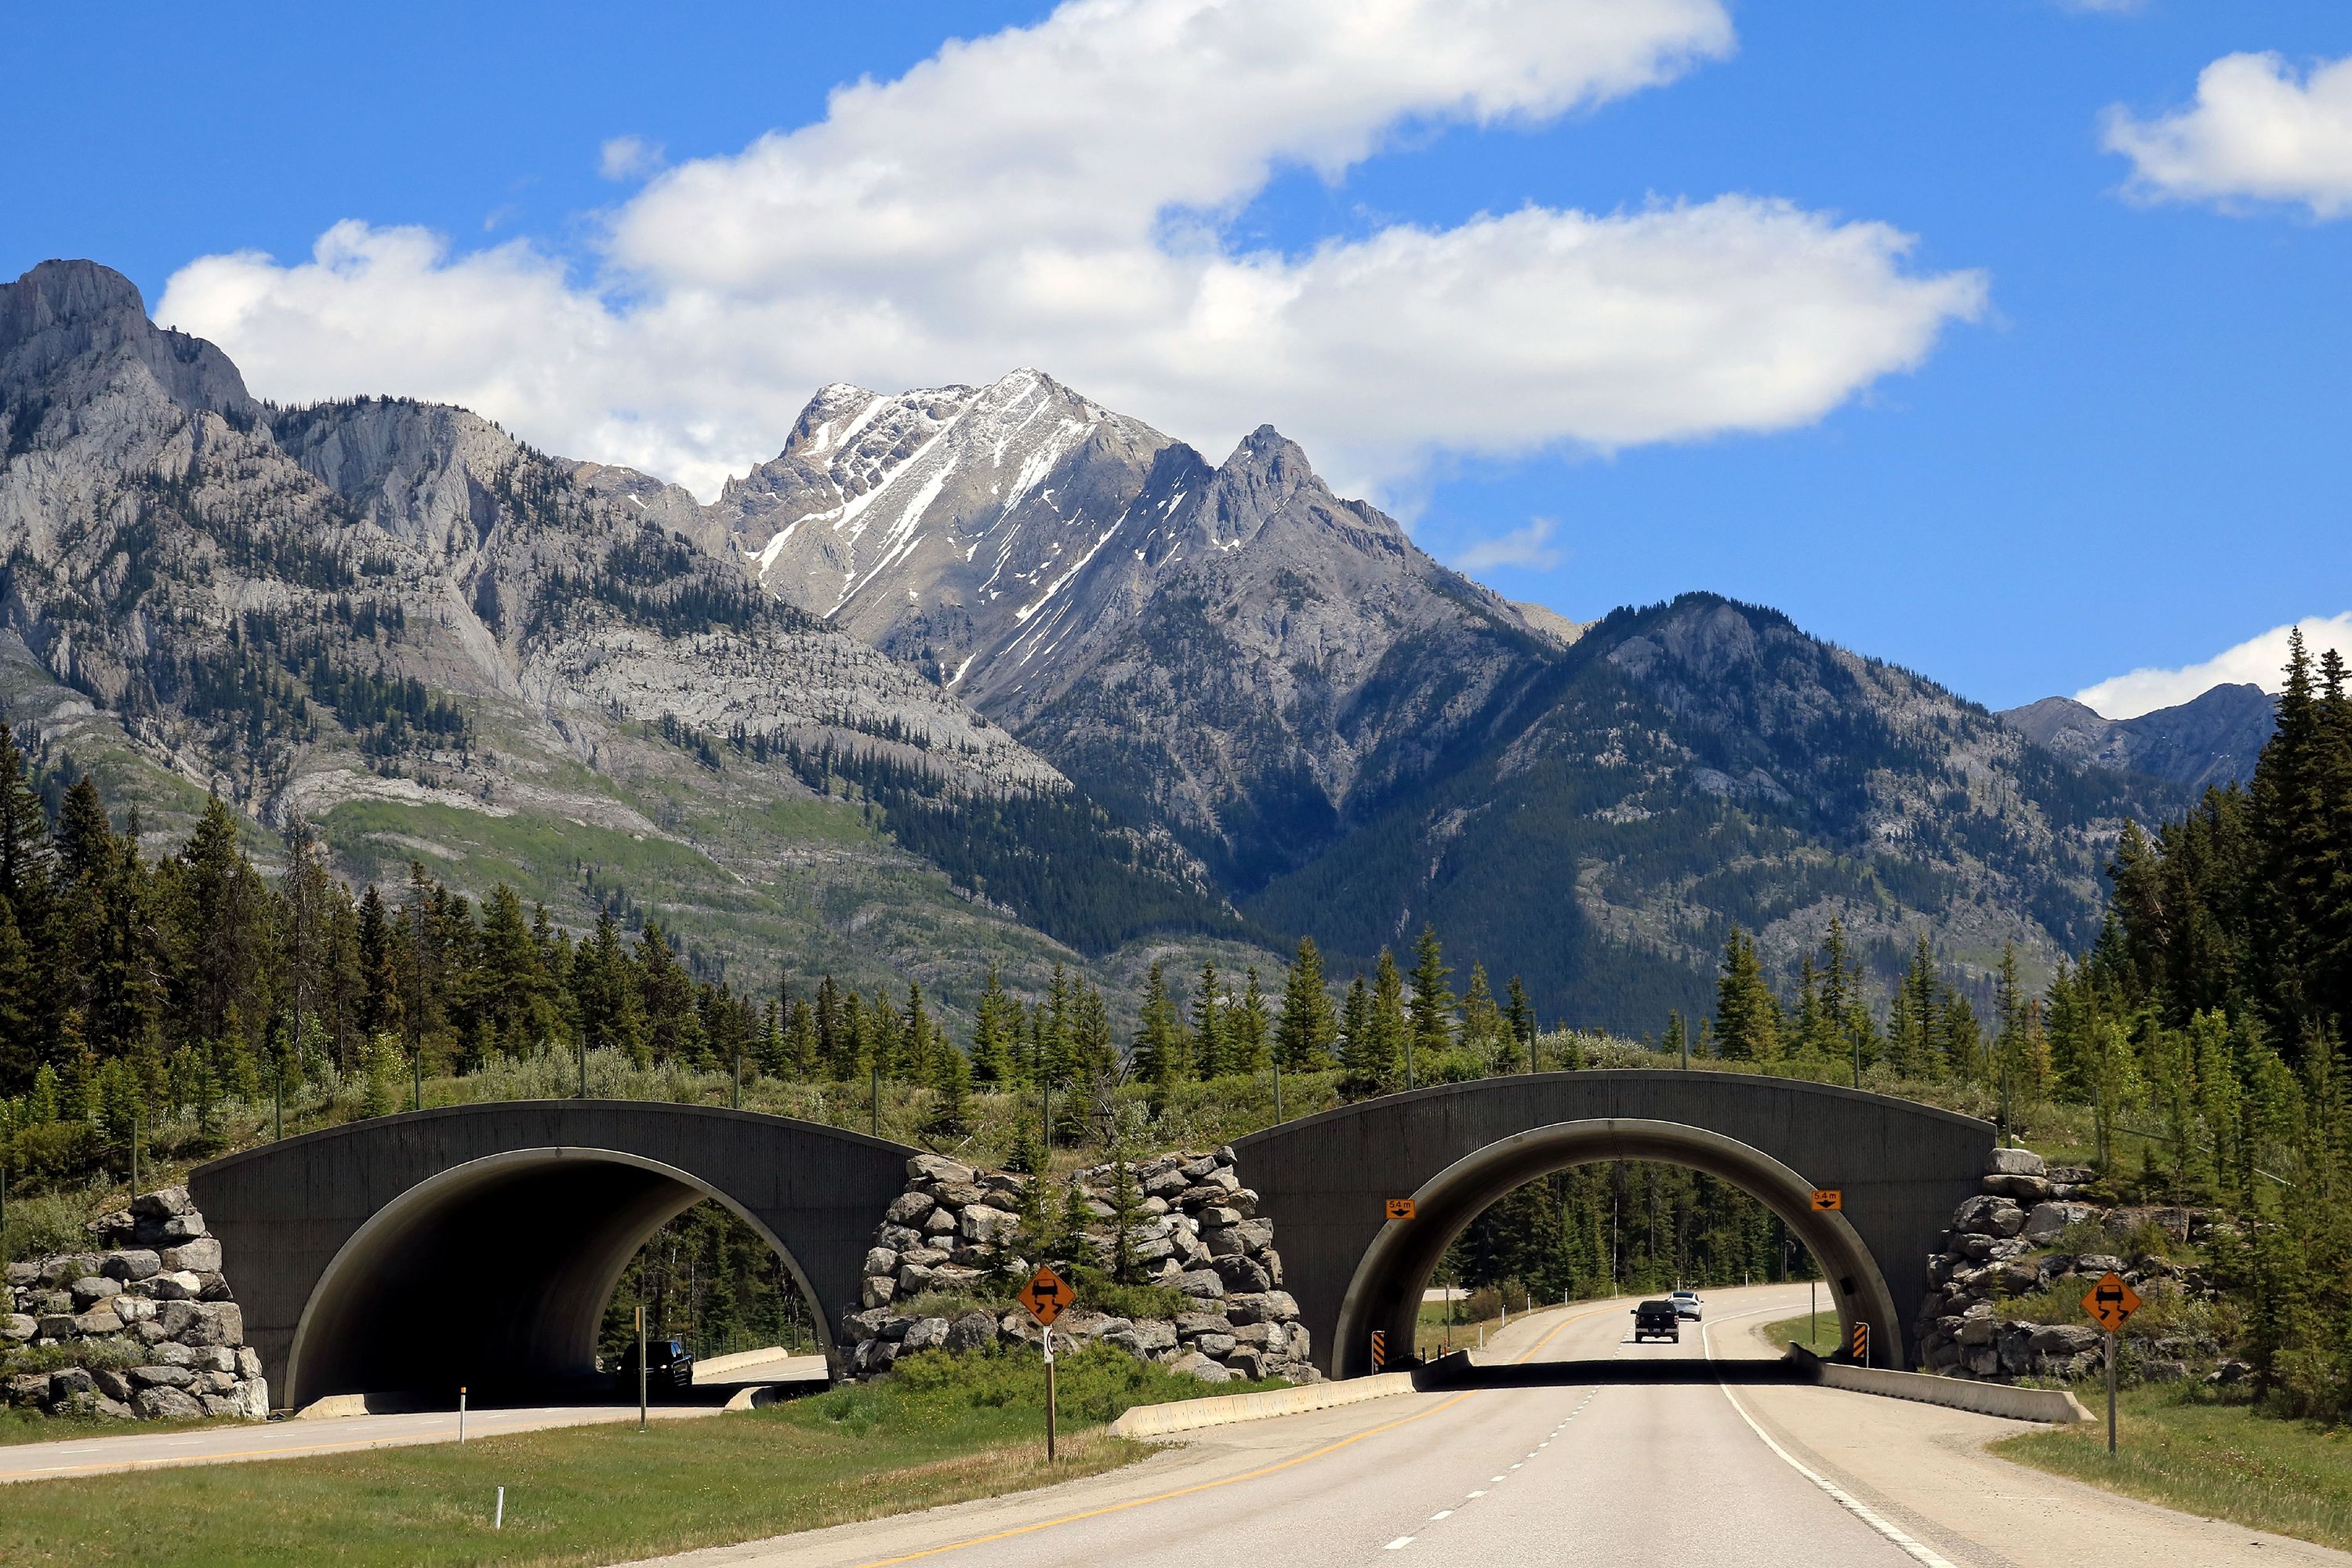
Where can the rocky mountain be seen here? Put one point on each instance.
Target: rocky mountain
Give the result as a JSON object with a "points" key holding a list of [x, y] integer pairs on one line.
{"points": [[2210, 739], [396, 621], [1355, 739], [1229, 650], [969, 675], [1695, 765]]}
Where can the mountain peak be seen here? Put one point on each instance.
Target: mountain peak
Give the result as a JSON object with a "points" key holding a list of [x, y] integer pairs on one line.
{"points": [[65, 310]]}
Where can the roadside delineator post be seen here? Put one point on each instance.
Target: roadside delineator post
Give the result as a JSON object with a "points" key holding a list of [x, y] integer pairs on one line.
{"points": [[1862, 1344], [641, 1367], [1379, 1350], [461, 1415]]}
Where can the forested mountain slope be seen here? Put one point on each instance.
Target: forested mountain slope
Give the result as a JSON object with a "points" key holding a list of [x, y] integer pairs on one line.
{"points": [[395, 620], [1697, 766]]}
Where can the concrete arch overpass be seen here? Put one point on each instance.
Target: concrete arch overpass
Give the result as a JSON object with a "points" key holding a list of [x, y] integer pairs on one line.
{"points": [[1902, 1168], [477, 1245]]}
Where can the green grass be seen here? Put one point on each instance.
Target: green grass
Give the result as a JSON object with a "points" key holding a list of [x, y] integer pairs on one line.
{"points": [[21, 1427], [1818, 1333], [2190, 1449], [939, 1430]]}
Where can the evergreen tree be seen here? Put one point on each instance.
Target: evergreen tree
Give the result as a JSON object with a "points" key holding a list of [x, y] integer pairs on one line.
{"points": [[1522, 1017], [1248, 1028], [1209, 1023], [996, 1022], [1309, 1027], [1160, 1045], [951, 1114], [1432, 1002], [1746, 1013]]}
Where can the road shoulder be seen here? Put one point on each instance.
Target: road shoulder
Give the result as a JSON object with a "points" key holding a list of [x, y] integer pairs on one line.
{"points": [[1927, 1467]]}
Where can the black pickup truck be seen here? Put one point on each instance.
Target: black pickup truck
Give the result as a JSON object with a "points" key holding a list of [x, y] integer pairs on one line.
{"points": [[1657, 1320], [669, 1368]]}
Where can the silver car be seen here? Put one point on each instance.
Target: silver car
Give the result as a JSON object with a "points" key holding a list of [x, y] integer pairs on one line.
{"points": [[1685, 1304]]}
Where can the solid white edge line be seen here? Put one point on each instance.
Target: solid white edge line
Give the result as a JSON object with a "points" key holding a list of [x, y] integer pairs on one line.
{"points": [[1918, 1551]]}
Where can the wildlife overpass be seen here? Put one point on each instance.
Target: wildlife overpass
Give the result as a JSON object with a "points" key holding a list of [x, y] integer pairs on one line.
{"points": [[479, 1245]]}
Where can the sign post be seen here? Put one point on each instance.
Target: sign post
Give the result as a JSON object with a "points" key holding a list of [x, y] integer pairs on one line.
{"points": [[2111, 1302], [1044, 1297], [641, 1368]]}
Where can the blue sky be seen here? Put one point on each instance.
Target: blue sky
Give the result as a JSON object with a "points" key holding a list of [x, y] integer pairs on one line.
{"points": [[2126, 447]]}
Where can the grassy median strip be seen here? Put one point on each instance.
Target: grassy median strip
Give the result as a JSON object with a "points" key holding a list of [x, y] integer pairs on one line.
{"points": [[2187, 1448], [943, 1430], [1817, 1331]]}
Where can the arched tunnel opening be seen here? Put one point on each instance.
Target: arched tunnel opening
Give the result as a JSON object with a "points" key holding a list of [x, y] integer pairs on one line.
{"points": [[505, 1276], [1588, 1209]]}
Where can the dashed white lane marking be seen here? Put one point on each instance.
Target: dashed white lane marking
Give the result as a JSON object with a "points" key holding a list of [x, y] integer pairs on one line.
{"points": [[1441, 1513], [1398, 1543], [1480, 1492], [1521, 1462], [1493, 1479], [1917, 1551]]}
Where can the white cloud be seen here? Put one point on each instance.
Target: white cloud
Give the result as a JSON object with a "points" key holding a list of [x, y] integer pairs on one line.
{"points": [[1055, 195], [1530, 547], [2259, 660], [2255, 134], [628, 157]]}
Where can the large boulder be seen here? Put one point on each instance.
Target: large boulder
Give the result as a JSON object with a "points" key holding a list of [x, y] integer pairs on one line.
{"points": [[1989, 1215], [909, 1208], [972, 1332], [202, 1256], [923, 1334], [1199, 1282], [89, 1291], [130, 1265], [1192, 1363], [161, 1377], [936, 1168], [2048, 1220], [2063, 1339], [18, 1327], [2015, 1163], [163, 1403]]}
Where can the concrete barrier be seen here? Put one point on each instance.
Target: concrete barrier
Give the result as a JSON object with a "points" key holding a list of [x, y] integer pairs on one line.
{"points": [[719, 1364], [2054, 1405], [1223, 1410]]}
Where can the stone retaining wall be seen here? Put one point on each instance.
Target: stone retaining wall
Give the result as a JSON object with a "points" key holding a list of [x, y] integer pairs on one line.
{"points": [[143, 1323], [2000, 1246], [1195, 1228]]}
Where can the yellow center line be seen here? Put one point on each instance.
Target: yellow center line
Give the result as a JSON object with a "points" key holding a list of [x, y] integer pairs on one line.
{"points": [[1197, 1486]]}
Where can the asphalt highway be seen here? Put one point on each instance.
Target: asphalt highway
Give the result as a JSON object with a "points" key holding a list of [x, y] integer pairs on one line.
{"points": [[1690, 1467]]}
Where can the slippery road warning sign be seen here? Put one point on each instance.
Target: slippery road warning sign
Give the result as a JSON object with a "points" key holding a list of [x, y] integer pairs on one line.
{"points": [[1402, 1208], [1828, 1199], [1045, 1295], [2111, 1302]]}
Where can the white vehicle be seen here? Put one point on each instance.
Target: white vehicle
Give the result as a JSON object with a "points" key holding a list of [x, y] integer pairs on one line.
{"points": [[1685, 1304]]}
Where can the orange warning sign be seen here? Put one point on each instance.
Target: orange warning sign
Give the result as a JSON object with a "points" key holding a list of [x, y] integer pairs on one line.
{"points": [[1401, 1208], [2111, 1302], [1045, 1295], [1828, 1199]]}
